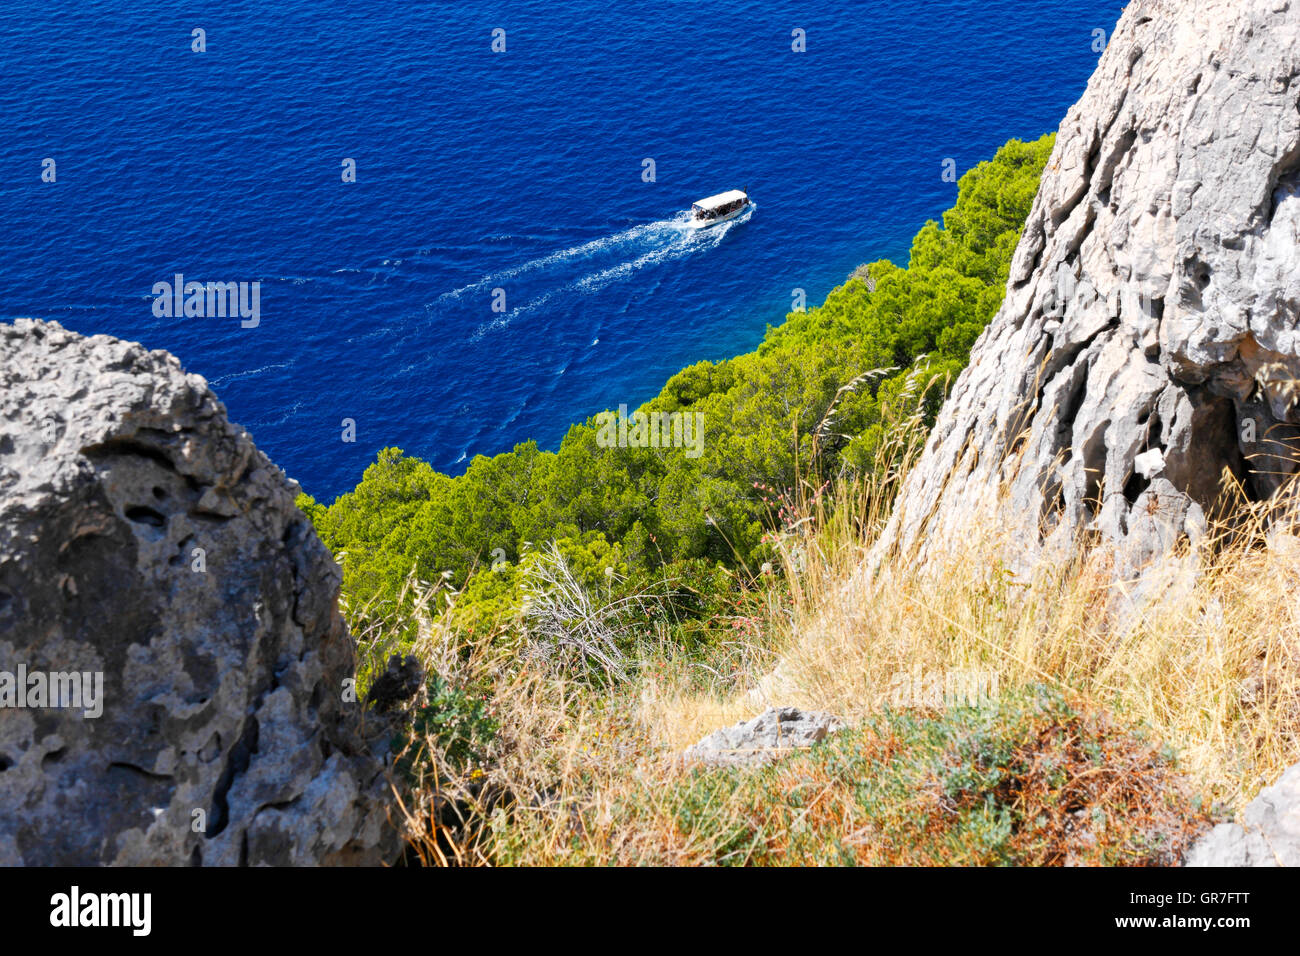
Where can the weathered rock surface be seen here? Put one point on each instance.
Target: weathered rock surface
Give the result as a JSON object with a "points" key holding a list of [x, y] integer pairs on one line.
{"points": [[144, 537], [773, 734], [1150, 337], [1269, 834]]}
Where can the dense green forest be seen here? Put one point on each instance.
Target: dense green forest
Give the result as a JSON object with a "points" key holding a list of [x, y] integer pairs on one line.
{"points": [[803, 405]]}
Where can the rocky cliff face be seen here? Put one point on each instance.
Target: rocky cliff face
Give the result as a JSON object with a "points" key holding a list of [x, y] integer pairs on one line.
{"points": [[1149, 338], [144, 538]]}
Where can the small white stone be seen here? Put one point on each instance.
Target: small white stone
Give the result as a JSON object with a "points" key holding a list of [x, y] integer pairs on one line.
{"points": [[1149, 463]]}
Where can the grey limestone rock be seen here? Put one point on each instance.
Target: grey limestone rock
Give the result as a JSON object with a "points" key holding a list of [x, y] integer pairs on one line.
{"points": [[1269, 834], [143, 537], [1150, 336], [772, 734]]}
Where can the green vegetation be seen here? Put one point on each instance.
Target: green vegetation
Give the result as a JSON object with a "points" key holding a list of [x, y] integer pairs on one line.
{"points": [[810, 402], [450, 726]]}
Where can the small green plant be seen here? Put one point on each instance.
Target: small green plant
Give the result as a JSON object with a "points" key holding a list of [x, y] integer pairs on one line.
{"points": [[452, 727]]}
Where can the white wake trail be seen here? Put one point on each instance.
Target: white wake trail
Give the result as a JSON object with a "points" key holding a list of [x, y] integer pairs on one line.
{"points": [[673, 239], [573, 254]]}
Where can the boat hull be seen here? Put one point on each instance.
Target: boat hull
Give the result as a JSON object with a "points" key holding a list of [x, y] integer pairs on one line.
{"points": [[710, 223]]}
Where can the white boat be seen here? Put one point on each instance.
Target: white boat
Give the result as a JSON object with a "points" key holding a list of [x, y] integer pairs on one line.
{"points": [[718, 209]]}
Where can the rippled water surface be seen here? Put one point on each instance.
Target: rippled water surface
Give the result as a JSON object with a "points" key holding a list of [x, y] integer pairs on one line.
{"points": [[477, 171]]}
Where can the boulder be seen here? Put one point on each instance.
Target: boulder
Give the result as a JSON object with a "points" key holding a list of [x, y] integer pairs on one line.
{"points": [[773, 734], [1269, 834], [1149, 341], [148, 546]]}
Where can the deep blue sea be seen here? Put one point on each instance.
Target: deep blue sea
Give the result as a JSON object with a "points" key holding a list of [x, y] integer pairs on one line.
{"points": [[478, 170]]}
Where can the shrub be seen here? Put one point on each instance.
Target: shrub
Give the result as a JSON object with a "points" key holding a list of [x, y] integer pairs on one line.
{"points": [[1034, 779]]}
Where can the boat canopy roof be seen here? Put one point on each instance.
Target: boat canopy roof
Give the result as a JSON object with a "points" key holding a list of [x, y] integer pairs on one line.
{"points": [[721, 199]]}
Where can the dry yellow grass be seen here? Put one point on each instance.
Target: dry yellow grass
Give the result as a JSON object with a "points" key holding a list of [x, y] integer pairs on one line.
{"points": [[1208, 659], [1208, 662]]}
